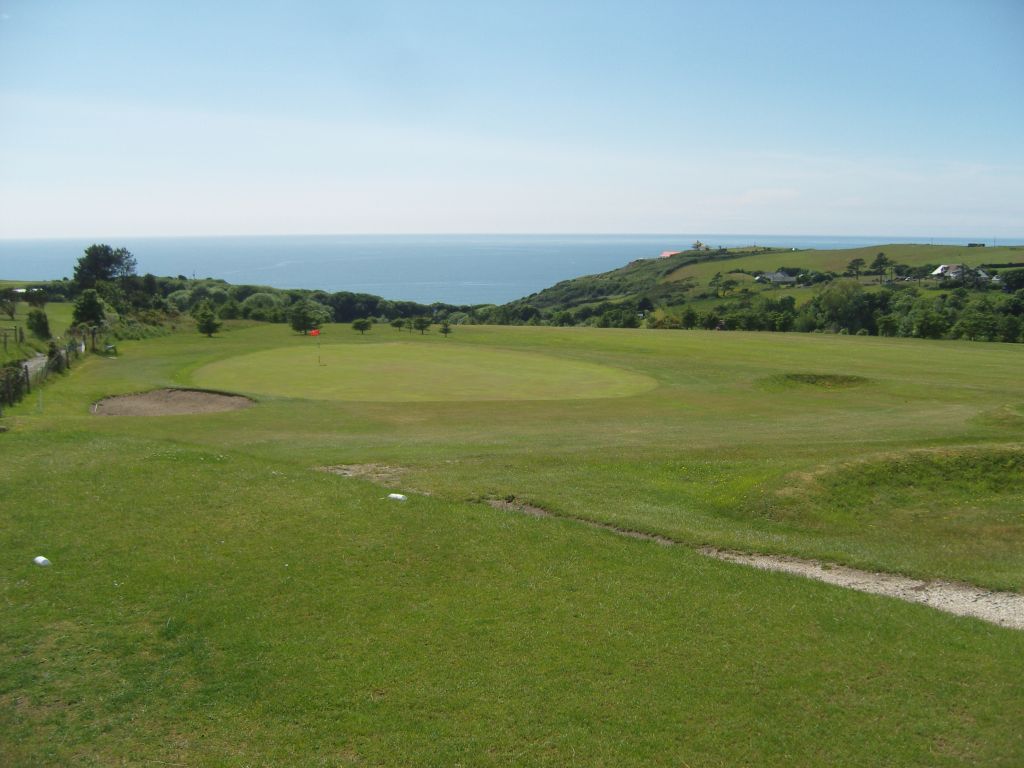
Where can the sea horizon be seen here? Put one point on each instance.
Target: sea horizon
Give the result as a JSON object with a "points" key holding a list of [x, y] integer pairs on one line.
{"points": [[449, 268]]}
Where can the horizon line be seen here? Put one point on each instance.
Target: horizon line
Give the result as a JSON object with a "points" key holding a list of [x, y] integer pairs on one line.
{"points": [[923, 238]]}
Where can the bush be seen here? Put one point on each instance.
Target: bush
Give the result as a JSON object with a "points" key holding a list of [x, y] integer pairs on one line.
{"points": [[89, 309], [38, 323]]}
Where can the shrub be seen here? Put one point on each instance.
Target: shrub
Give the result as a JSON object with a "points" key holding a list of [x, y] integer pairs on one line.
{"points": [[38, 323]]}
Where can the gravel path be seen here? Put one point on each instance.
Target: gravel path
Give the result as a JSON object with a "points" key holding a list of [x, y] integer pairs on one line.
{"points": [[1003, 608], [35, 364]]}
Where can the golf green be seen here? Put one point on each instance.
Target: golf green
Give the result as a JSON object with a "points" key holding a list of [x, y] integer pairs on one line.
{"points": [[411, 372]]}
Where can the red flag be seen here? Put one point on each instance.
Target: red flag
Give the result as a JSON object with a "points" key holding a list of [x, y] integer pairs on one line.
{"points": [[315, 332]]}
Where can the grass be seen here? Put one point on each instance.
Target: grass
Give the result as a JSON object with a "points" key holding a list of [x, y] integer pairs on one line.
{"points": [[828, 261], [837, 260], [214, 600], [59, 314], [415, 372]]}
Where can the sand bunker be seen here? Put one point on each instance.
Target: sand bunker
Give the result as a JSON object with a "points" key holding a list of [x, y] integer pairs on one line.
{"points": [[169, 402]]}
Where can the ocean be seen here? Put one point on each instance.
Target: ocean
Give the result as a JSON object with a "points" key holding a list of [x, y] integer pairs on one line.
{"points": [[456, 269]]}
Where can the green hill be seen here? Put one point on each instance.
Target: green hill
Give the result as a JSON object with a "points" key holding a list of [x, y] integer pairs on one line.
{"points": [[723, 282]]}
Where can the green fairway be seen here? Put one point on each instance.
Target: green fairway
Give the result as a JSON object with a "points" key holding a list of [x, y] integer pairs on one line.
{"points": [[216, 599], [409, 372]]}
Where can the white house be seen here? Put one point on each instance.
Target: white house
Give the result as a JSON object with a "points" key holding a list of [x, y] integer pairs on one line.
{"points": [[955, 271]]}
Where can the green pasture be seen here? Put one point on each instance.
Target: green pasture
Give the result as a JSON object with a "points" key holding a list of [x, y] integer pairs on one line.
{"points": [[217, 599], [59, 315], [836, 260]]}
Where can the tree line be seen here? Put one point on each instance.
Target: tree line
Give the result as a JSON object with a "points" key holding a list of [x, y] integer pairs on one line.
{"points": [[105, 285]]}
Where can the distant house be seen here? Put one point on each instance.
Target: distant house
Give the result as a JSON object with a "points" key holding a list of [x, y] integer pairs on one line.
{"points": [[775, 278], [668, 254], [956, 271]]}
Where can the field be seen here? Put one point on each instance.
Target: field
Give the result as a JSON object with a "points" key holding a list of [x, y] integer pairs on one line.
{"points": [[217, 599], [832, 261], [59, 315], [836, 260]]}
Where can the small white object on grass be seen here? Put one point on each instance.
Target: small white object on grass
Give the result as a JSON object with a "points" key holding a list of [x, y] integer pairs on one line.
{"points": [[40, 560], [397, 496]]}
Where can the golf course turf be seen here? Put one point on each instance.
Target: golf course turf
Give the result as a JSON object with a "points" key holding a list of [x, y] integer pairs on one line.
{"points": [[404, 372], [216, 600]]}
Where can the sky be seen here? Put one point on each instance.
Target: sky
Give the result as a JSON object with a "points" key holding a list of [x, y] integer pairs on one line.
{"points": [[899, 117]]}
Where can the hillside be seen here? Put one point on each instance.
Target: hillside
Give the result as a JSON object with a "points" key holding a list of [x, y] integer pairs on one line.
{"points": [[721, 282]]}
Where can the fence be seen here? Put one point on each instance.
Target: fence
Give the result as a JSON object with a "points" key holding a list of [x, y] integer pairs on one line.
{"points": [[17, 379]]}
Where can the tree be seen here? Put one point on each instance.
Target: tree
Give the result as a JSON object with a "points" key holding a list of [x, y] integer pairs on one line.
{"points": [[1010, 328], [446, 328], [879, 265], [398, 323], [8, 302], [689, 318], [101, 263], [230, 310], [362, 326], [37, 297], [421, 324], [841, 304], [888, 325], [260, 306], [38, 323], [855, 266], [206, 319], [89, 309], [1012, 279], [306, 315]]}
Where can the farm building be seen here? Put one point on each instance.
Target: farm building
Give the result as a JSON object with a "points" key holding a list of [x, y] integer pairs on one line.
{"points": [[776, 278]]}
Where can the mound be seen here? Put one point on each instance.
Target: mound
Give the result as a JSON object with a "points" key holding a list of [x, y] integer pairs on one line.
{"points": [[169, 402]]}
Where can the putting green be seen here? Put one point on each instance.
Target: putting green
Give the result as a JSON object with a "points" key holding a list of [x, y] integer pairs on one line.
{"points": [[410, 372]]}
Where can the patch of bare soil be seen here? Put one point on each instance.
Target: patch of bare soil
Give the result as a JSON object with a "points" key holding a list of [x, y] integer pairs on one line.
{"points": [[382, 474], [515, 505], [169, 402], [1003, 608]]}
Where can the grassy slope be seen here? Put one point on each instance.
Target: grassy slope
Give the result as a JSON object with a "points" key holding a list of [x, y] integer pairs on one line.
{"points": [[214, 601], [59, 314], [836, 260], [658, 279]]}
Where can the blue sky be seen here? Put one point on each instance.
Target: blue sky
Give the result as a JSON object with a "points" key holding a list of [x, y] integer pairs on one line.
{"points": [[194, 118]]}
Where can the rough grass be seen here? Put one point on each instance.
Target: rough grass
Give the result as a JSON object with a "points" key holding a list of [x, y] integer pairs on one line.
{"points": [[216, 600], [821, 380], [936, 511]]}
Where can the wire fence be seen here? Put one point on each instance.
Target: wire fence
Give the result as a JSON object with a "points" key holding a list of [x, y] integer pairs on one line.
{"points": [[17, 379]]}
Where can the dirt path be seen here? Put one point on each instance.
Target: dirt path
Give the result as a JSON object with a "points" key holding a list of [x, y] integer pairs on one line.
{"points": [[35, 364], [1003, 608]]}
